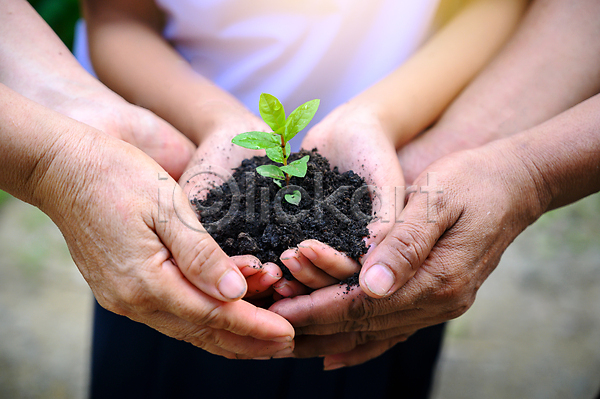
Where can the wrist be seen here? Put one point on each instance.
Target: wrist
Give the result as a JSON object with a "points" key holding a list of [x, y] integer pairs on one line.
{"points": [[521, 179], [222, 117], [40, 151], [390, 117]]}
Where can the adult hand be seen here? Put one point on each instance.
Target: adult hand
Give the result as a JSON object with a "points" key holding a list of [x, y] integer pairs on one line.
{"points": [[489, 194], [430, 266], [92, 103], [212, 165], [133, 236], [547, 67], [36, 64], [352, 138]]}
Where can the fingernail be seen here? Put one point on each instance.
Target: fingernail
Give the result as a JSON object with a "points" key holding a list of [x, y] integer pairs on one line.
{"points": [[284, 290], [308, 252], [334, 366], [293, 265], [276, 275], [284, 353], [272, 270], [232, 285], [285, 338], [379, 279]]}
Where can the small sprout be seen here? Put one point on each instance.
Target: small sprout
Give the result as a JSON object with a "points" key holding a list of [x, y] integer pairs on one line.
{"points": [[276, 143], [294, 198]]}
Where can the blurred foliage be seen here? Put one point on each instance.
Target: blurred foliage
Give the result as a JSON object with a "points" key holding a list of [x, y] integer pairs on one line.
{"points": [[61, 15], [4, 196]]}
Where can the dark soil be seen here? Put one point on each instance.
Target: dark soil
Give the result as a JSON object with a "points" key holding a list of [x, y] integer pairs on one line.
{"points": [[249, 215]]}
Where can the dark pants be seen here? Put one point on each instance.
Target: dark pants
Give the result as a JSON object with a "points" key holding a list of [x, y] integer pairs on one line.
{"points": [[131, 360]]}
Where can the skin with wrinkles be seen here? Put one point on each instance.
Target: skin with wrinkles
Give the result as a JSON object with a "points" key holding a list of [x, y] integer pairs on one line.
{"points": [[490, 193]]}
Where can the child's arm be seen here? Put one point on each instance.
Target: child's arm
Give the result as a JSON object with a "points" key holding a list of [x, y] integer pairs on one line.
{"points": [[413, 96], [131, 57], [362, 134]]}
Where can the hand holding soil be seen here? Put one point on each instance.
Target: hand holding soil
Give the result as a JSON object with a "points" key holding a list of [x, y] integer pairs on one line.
{"points": [[247, 216], [437, 267], [352, 138]]}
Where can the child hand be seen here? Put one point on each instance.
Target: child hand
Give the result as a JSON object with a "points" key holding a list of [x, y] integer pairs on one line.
{"points": [[259, 277], [353, 138], [216, 155], [314, 265]]}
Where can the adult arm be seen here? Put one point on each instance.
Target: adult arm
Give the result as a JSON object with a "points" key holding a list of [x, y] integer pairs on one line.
{"points": [[451, 241], [548, 66], [363, 134], [36, 64], [131, 232], [414, 96], [132, 57]]}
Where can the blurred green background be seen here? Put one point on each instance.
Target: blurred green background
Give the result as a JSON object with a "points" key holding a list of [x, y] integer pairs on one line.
{"points": [[61, 15], [3, 197]]}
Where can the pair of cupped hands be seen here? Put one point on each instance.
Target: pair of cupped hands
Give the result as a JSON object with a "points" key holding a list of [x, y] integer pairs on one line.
{"points": [[133, 235]]}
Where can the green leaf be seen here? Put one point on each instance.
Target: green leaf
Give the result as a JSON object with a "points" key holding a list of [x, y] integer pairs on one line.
{"points": [[294, 198], [271, 171], [256, 140], [300, 118], [296, 168], [271, 110], [277, 182], [276, 155]]}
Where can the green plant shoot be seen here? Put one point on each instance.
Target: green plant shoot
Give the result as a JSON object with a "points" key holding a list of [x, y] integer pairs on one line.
{"points": [[276, 143]]}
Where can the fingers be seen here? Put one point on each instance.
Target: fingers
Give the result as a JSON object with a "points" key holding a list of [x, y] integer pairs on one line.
{"points": [[304, 271], [198, 256], [313, 345], [327, 305], [397, 258], [361, 353], [290, 288], [249, 265], [327, 259], [260, 278], [217, 341], [182, 299], [315, 265], [340, 308]]}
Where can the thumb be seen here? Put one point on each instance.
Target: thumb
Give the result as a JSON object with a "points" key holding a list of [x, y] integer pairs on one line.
{"points": [[195, 252], [397, 258], [167, 146]]}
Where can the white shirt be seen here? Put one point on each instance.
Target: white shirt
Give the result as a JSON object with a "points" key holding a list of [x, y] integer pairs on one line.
{"points": [[297, 50]]}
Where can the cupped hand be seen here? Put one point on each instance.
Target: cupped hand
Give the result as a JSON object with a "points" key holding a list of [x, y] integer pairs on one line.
{"points": [[216, 156], [135, 239], [351, 138], [211, 166], [92, 103], [467, 209]]}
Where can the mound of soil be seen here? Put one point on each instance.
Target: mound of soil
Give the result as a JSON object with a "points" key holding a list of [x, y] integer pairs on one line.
{"points": [[249, 215]]}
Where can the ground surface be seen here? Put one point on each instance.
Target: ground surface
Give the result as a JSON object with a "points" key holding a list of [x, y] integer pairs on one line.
{"points": [[534, 331]]}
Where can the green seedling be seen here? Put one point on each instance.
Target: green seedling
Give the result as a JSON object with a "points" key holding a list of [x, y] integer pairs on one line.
{"points": [[276, 143]]}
